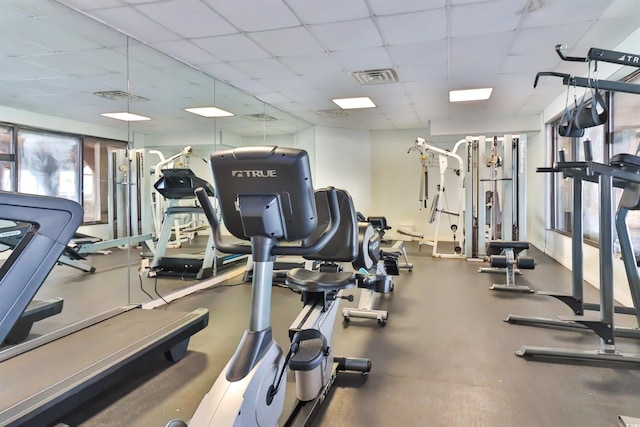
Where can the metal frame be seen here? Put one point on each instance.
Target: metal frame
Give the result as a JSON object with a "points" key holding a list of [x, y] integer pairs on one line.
{"points": [[512, 188], [55, 220], [607, 177], [443, 155]]}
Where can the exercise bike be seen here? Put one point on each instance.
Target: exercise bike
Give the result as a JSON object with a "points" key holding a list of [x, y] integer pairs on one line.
{"points": [[266, 196]]}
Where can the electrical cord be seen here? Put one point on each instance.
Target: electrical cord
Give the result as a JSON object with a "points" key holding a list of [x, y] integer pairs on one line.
{"points": [[155, 289], [142, 288]]}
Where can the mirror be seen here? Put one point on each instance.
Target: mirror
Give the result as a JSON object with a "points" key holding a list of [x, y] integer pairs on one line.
{"points": [[60, 72]]}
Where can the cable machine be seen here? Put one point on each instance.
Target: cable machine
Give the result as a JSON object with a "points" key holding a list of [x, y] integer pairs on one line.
{"points": [[439, 206], [495, 193]]}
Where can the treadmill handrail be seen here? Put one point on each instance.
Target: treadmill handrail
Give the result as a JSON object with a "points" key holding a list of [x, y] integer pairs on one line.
{"points": [[55, 220]]}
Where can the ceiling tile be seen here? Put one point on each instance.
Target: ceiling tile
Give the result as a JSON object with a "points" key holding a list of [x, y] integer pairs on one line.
{"points": [[534, 40], [331, 10], [352, 35], [87, 29], [56, 38], [422, 72], [310, 64], [141, 56], [363, 59], [18, 69], [334, 83], [465, 76], [91, 4], [605, 33], [251, 86], [250, 15], [287, 42], [105, 59], [223, 71], [235, 47], [288, 83], [263, 68], [414, 54], [563, 13], [187, 18], [186, 51], [413, 27], [534, 62], [498, 16], [19, 47], [273, 98], [38, 7], [386, 7], [482, 48], [135, 24], [426, 86]]}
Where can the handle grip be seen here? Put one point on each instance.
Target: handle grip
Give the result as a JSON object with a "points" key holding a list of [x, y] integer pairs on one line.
{"points": [[334, 213]]}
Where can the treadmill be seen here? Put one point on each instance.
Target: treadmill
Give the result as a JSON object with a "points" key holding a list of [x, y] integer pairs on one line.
{"points": [[178, 184], [48, 376], [10, 236]]}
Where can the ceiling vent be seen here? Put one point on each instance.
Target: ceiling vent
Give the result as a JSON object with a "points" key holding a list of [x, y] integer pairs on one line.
{"points": [[375, 77], [329, 114], [260, 117], [119, 95]]}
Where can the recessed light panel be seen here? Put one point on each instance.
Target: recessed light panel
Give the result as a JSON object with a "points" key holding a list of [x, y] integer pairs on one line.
{"points": [[127, 117], [352, 103], [209, 112], [470, 94]]}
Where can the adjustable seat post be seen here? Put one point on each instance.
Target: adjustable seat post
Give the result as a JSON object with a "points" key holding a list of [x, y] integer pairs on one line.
{"points": [[261, 289]]}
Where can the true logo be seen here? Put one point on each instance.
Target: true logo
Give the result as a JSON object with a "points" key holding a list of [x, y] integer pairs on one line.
{"points": [[254, 173], [629, 59]]}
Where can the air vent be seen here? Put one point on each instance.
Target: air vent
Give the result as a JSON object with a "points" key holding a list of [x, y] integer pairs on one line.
{"points": [[260, 117], [376, 77], [119, 95], [328, 114]]}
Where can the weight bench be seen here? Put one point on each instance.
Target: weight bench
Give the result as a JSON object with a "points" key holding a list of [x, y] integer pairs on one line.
{"points": [[505, 256], [396, 250]]}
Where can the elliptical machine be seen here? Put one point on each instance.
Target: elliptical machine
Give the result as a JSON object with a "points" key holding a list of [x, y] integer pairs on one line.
{"points": [[266, 196]]}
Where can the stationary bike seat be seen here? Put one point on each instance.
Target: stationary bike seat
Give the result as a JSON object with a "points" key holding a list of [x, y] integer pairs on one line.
{"points": [[319, 281]]}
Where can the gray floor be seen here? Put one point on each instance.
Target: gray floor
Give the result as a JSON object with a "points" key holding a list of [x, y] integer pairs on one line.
{"points": [[446, 358]]}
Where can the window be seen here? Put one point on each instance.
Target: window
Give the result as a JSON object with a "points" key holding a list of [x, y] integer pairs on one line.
{"points": [[6, 158], [563, 188], [626, 139], [48, 164], [55, 164], [95, 177]]}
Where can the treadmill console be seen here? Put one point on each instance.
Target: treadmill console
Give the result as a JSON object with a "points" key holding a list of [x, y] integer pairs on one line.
{"points": [[180, 183]]}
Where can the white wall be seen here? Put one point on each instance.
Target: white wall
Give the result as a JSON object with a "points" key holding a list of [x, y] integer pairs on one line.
{"points": [[395, 182], [343, 160], [26, 118], [537, 184]]}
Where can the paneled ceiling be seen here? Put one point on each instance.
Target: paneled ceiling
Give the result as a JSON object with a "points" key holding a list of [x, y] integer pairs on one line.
{"points": [[297, 55]]}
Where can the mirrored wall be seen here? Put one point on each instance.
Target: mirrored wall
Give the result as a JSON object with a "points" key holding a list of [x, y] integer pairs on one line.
{"points": [[63, 79]]}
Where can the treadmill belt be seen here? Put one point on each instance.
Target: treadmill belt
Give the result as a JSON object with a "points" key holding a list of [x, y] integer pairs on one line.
{"points": [[36, 384]]}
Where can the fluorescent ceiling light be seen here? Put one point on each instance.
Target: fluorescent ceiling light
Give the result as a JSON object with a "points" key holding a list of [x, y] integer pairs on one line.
{"points": [[209, 112], [127, 117], [351, 103], [470, 94]]}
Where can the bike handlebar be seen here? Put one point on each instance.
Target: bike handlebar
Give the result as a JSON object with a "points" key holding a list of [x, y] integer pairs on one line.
{"points": [[317, 245]]}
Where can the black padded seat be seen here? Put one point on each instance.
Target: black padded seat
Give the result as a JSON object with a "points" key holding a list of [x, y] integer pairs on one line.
{"points": [[504, 244], [497, 246], [319, 281], [625, 160], [342, 247]]}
